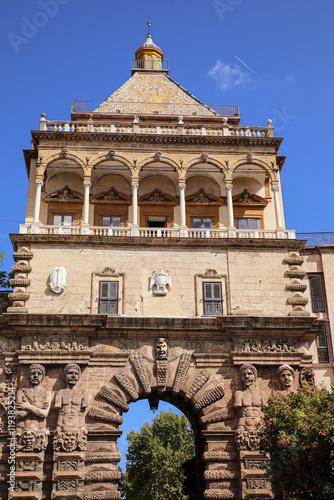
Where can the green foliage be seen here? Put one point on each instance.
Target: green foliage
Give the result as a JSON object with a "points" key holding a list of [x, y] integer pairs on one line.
{"points": [[298, 433], [4, 286], [160, 460]]}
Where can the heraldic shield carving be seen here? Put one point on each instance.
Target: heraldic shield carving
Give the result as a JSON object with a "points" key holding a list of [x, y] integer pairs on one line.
{"points": [[161, 282]]}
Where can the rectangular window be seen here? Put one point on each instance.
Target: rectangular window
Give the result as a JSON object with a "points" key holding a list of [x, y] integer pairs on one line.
{"points": [[317, 293], [212, 299], [111, 220], [62, 219], [202, 222], [108, 298], [322, 345], [247, 223]]}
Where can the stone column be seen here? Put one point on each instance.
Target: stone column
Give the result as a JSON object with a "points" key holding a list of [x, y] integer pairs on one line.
{"points": [[275, 190], [231, 228], [182, 189], [134, 228], [85, 218], [39, 184]]}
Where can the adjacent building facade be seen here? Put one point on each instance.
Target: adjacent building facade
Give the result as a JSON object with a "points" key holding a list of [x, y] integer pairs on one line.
{"points": [[154, 263]]}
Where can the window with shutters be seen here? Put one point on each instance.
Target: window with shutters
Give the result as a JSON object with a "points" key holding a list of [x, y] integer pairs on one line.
{"points": [[317, 293], [212, 299], [322, 345], [108, 297]]}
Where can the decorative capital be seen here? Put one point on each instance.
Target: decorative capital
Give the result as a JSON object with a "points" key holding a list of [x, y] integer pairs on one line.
{"points": [[275, 188], [39, 182], [135, 185], [87, 182], [182, 186], [229, 187]]}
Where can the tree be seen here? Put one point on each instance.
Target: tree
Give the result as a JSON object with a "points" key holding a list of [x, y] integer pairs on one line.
{"points": [[158, 460], [298, 433], [4, 286]]}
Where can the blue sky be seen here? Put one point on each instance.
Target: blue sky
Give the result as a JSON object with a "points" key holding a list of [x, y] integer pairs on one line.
{"points": [[272, 58]]}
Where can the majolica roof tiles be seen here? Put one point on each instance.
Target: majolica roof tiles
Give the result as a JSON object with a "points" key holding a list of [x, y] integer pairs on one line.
{"points": [[153, 93]]}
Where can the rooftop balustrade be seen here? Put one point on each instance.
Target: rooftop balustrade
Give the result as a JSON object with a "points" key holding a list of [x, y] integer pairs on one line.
{"points": [[223, 129], [149, 232]]}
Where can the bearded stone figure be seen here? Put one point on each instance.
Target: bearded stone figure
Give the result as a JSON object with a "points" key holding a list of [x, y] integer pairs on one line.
{"points": [[71, 433]]}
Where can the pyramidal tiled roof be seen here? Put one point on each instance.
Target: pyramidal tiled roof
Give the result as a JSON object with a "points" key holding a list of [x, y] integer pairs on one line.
{"points": [[153, 93]]}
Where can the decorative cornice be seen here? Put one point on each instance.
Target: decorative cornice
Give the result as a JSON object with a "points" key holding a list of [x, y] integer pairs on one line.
{"points": [[129, 241], [99, 325], [39, 135]]}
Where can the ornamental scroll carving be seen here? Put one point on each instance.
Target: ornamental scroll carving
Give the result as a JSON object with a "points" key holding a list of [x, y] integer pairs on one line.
{"points": [[263, 345]]}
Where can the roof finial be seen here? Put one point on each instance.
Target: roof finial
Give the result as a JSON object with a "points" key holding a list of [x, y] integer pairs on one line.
{"points": [[149, 28]]}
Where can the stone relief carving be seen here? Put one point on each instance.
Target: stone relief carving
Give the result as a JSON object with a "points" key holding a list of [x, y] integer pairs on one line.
{"points": [[248, 403], [33, 405], [264, 345], [307, 378], [136, 360], [54, 343], [213, 396], [161, 349], [161, 282], [123, 380], [71, 402], [285, 375], [128, 345], [110, 396], [197, 384], [161, 355], [181, 372], [58, 278]]}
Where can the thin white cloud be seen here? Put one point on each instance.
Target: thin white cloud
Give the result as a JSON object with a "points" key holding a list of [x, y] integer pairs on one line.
{"points": [[289, 78], [228, 76]]}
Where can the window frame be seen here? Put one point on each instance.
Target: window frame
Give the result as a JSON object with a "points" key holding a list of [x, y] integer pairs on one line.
{"points": [[111, 301], [106, 275], [257, 219], [62, 214], [318, 305], [211, 276], [212, 302], [111, 216]]}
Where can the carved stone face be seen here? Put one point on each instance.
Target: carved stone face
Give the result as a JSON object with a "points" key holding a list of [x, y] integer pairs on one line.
{"points": [[286, 379], [28, 439], [247, 377], [69, 441], [72, 375], [36, 375], [161, 349]]}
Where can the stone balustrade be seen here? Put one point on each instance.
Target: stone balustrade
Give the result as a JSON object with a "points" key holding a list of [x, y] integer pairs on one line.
{"points": [[146, 232], [139, 128]]}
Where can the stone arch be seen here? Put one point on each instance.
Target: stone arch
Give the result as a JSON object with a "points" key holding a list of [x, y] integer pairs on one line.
{"points": [[158, 158], [115, 156], [197, 392], [207, 160], [63, 155], [255, 162]]}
